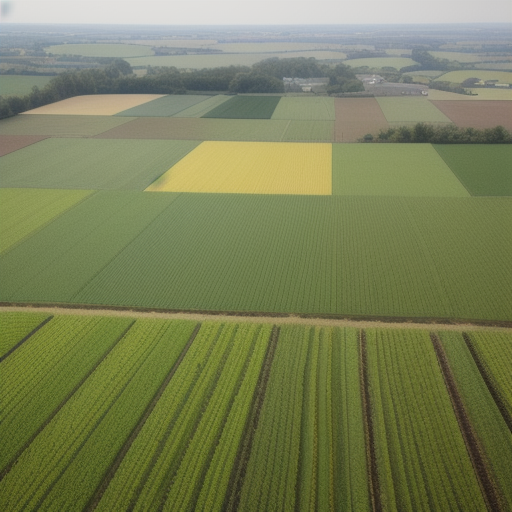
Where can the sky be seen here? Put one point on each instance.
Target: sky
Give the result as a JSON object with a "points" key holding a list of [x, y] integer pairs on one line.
{"points": [[260, 12]]}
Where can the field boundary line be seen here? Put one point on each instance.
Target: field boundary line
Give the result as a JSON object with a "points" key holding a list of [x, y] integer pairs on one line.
{"points": [[239, 469], [356, 321], [488, 381], [475, 451], [63, 402], [24, 339], [371, 457], [111, 471]]}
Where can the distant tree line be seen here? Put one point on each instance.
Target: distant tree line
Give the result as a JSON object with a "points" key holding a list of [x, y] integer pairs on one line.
{"points": [[426, 61], [442, 134], [117, 78]]}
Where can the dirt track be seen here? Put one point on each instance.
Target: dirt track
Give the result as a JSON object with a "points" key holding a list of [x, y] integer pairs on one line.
{"points": [[279, 320]]}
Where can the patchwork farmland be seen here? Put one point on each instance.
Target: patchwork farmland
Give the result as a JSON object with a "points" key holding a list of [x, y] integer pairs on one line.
{"points": [[189, 206]]}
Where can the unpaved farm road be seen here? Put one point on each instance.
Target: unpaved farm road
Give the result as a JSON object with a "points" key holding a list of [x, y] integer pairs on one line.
{"points": [[278, 320]]}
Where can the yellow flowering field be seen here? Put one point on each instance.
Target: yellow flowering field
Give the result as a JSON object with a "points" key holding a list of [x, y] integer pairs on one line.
{"points": [[252, 168]]}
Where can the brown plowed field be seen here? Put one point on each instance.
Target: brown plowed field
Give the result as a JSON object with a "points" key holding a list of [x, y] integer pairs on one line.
{"points": [[10, 143], [477, 114], [355, 117]]}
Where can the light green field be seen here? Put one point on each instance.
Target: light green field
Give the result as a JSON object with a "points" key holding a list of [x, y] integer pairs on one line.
{"points": [[21, 85], [308, 109], [24, 211], [392, 170], [426, 72], [225, 59], [101, 50], [381, 62], [92, 164], [308, 131], [458, 77], [410, 110]]}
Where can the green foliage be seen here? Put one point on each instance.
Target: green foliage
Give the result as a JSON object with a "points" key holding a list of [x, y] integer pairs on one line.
{"points": [[15, 326], [94, 423], [272, 469], [495, 352], [42, 372], [447, 134], [485, 417], [255, 83]]}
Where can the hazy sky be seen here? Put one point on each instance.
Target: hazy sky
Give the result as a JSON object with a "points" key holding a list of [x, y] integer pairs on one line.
{"points": [[250, 12]]}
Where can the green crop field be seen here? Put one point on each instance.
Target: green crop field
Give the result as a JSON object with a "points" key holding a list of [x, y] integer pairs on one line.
{"points": [[110, 413], [308, 109], [24, 211], [308, 131], [483, 169], [60, 126], [503, 77], [233, 252], [15, 326], [245, 107], [163, 107], [381, 62], [411, 110], [101, 50], [20, 85], [392, 170], [92, 163], [216, 60]]}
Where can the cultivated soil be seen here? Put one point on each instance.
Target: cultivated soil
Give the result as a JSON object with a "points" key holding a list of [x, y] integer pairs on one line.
{"points": [[477, 114], [355, 117], [10, 143]]}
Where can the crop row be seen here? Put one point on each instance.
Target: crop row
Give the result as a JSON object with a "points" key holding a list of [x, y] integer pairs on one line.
{"points": [[112, 414], [15, 326]]}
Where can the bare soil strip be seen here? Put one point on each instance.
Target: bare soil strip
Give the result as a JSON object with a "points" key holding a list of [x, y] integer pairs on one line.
{"points": [[361, 322], [371, 458], [42, 324], [488, 381], [63, 403], [476, 453], [355, 117], [109, 475], [236, 479]]}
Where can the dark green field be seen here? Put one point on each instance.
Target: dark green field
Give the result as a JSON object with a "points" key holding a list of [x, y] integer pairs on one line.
{"points": [[246, 107], [485, 170]]}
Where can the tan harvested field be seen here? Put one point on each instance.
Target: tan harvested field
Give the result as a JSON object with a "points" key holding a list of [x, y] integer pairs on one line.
{"points": [[10, 143], [477, 114], [355, 117], [95, 105], [480, 94]]}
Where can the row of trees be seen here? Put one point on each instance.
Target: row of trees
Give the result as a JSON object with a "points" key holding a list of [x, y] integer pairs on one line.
{"points": [[443, 134], [117, 78]]}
